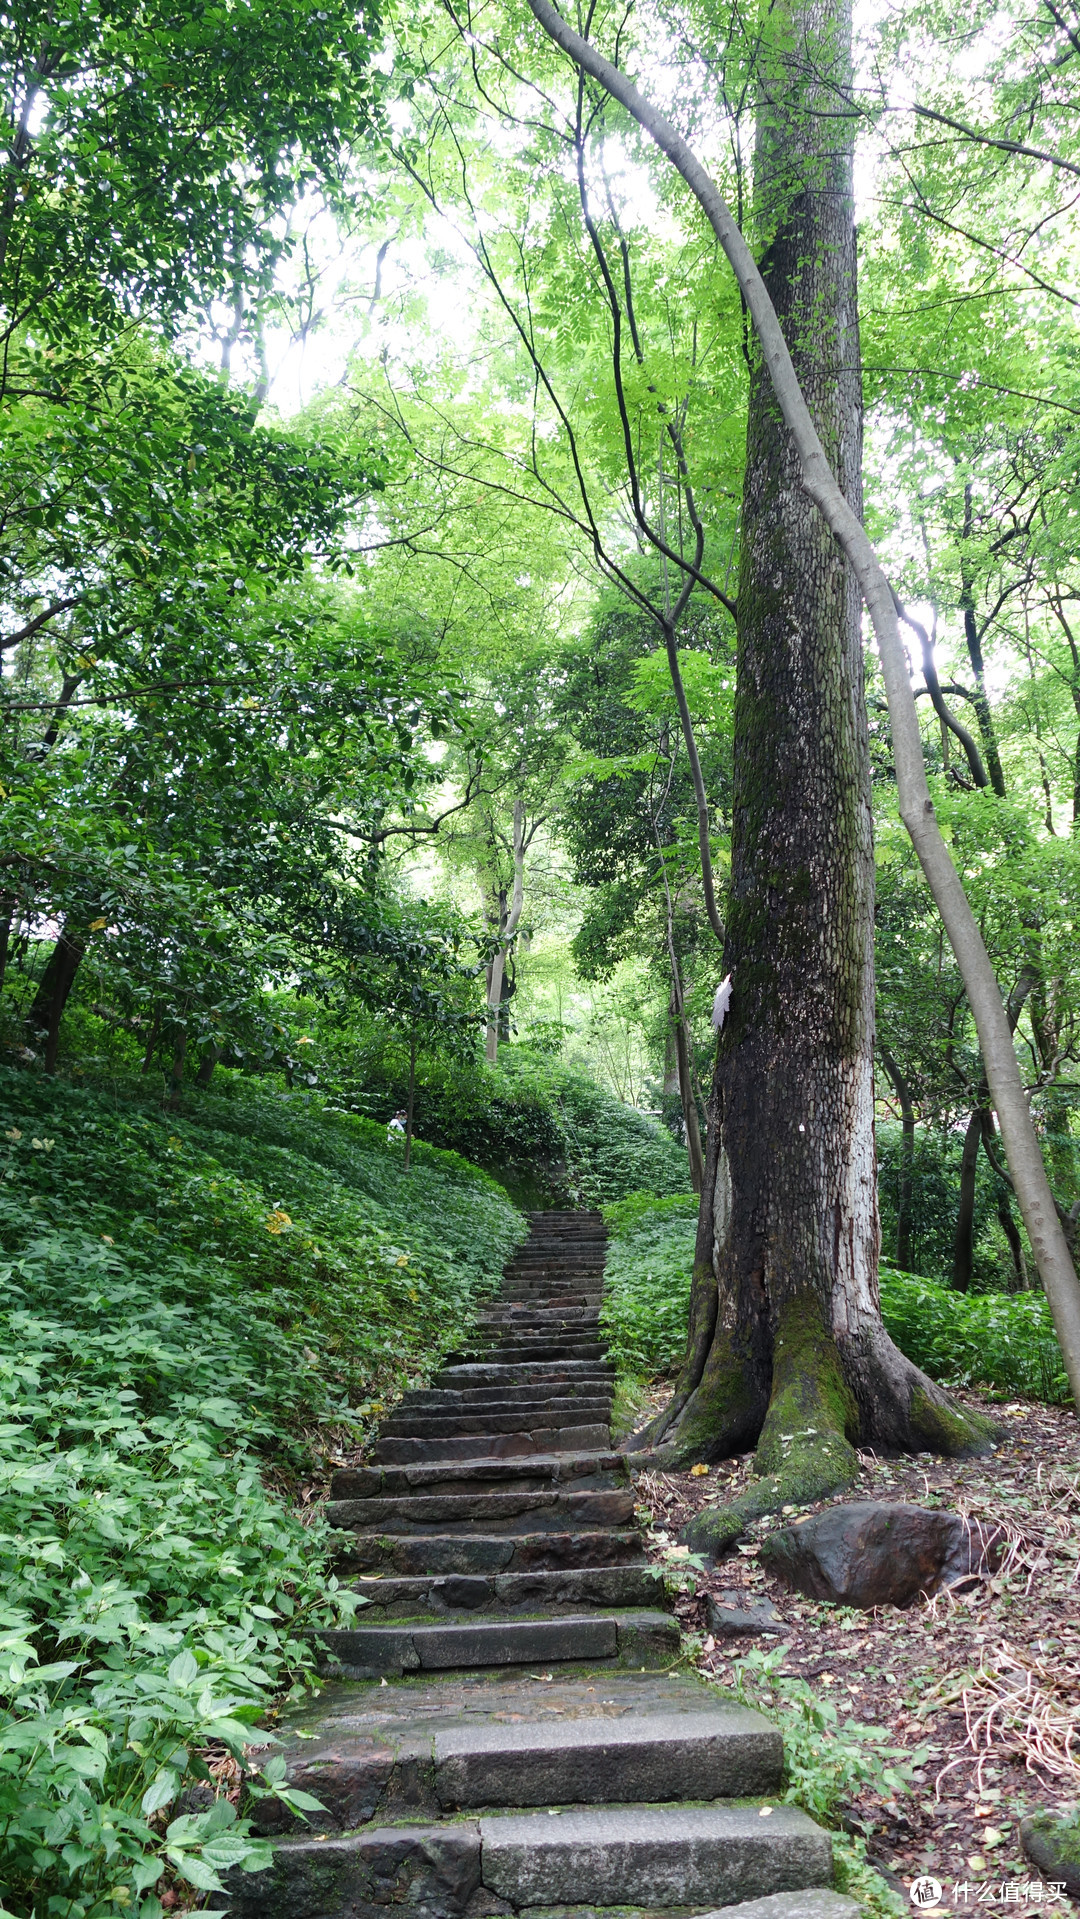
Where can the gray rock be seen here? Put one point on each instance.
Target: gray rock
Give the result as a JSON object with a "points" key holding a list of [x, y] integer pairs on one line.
{"points": [[867, 1553], [1052, 1843], [727, 1617]]}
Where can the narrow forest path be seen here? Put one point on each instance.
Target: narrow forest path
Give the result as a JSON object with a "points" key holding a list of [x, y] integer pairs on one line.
{"points": [[504, 1732]]}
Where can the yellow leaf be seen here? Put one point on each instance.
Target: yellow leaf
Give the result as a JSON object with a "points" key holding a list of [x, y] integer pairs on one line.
{"points": [[698, 1472], [96, 925]]}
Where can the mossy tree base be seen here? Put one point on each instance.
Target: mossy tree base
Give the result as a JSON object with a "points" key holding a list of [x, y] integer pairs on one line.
{"points": [[824, 1399]]}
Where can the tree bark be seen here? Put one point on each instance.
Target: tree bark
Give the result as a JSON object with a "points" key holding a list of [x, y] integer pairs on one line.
{"points": [[1045, 1232], [54, 988], [907, 1160], [506, 934], [964, 1237], [799, 1364], [686, 1088]]}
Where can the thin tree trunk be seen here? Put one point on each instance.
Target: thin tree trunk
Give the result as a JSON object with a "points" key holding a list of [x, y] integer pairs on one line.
{"points": [[506, 934], [54, 988], [907, 1160], [411, 1100], [1016, 1247], [1044, 1229], [978, 667], [964, 1236], [152, 1039], [686, 1089], [206, 1065], [7, 909], [176, 1078]]}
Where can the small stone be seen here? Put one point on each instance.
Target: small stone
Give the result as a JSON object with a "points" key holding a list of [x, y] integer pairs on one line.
{"points": [[728, 1617]]}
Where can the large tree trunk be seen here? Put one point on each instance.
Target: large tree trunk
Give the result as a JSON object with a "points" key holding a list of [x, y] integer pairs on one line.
{"points": [[797, 1360]]}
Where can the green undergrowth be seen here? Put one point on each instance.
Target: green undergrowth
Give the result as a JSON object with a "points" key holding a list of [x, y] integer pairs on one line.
{"points": [[545, 1129], [647, 1281], [828, 1762], [188, 1301], [1003, 1341]]}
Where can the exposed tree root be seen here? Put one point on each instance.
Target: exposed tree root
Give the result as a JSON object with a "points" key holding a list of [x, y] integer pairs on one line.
{"points": [[824, 1398]]}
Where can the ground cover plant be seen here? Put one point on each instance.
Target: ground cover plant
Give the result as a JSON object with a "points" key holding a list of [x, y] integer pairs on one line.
{"points": [[191, 1304], [1002, 1340]]}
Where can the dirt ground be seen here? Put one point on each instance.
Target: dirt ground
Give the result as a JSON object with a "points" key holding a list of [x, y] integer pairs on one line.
{"points": [[985, 1681]]}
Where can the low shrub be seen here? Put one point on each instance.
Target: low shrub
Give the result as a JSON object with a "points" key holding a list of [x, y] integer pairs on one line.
{"points": [[1002, 1340], [546, 1130]]}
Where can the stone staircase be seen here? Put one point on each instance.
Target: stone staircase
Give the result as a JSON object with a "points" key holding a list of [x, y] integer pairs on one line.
{"points": [[502, 1734]]}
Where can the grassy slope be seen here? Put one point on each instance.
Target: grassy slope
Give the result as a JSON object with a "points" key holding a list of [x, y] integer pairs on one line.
{"points": [[186, 1299]]}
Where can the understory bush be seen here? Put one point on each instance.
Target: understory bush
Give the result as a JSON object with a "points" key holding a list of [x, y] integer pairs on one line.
{"points": [[543, 1128], [185, 1298], [1005, 1341], [1002, 1340]]}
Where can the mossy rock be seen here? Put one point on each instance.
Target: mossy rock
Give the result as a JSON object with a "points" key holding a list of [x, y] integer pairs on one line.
{"points": [[1052, 1843]]}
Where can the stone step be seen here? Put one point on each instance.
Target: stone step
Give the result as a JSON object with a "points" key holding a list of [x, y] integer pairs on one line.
{"points": [[508, 1351], [573, 1587], [549, 1319], [441, 1765], [494, 1402], [629, 1856], [502, 1512], [471, 1551], [486, 1445], [649, 1854], [572, 1472], [569, 1371], [640, 1639], [791, 1905], [440, 1423]]}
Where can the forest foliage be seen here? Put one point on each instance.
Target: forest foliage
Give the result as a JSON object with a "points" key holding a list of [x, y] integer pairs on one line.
{"points": [[373, 407]]}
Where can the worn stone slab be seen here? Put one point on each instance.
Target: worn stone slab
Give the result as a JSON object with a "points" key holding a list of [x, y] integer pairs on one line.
{"points": [[433, 1870], [566, 1470], [670, 1855], [819, 1904], [726, 1752], [517, 1512], [486, 1445], [415, 1554], [481, 1642], [573, 1587], [440, 1422], [648, 1638]]}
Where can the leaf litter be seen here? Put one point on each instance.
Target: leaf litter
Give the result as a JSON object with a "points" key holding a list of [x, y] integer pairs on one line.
{"points": [[979, 1684]]}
